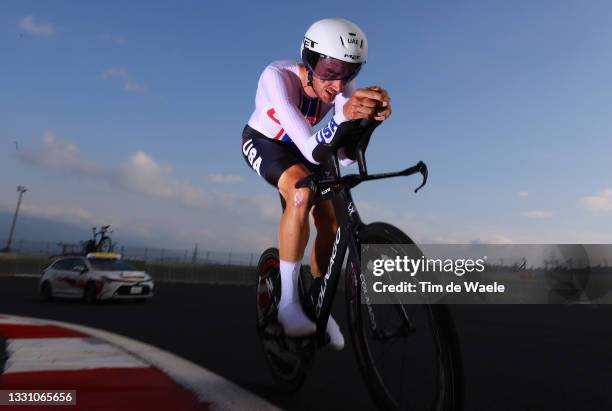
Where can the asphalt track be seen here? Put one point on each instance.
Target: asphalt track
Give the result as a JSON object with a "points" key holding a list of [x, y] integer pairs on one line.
{"points": [[515, 357]]}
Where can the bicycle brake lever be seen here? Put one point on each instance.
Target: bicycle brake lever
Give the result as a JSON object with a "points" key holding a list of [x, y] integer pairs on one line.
{"points": [[424, 172]]}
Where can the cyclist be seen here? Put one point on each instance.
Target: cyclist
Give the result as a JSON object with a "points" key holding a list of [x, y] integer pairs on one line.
{"points": [[278, 141]]}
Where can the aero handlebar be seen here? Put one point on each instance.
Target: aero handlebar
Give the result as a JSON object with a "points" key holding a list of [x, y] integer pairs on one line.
{"points": [[354, 135]]}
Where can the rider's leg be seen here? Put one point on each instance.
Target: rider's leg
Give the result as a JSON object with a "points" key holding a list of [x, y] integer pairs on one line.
{"points": [[325, 221], [293, 237], [294, 228]]}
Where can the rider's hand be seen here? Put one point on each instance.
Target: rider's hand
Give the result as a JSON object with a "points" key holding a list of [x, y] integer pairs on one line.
{"points": [[384, 110], [370, 103]]}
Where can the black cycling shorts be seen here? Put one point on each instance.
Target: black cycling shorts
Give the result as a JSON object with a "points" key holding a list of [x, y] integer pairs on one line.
{"points": [[270, 158]]}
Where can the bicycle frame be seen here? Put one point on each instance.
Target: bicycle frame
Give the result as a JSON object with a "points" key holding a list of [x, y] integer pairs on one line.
{"points": [[349, 223], [291, 358], [347, 217]]}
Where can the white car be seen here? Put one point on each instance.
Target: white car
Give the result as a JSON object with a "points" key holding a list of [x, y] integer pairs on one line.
{"points": [[96, 276]]}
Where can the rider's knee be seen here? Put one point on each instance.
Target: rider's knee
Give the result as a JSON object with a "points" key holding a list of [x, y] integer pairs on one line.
{"points": [[300, 198]]}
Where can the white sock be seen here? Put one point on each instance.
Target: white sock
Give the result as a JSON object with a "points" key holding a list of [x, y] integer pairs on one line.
{"points": [[289, 272]]}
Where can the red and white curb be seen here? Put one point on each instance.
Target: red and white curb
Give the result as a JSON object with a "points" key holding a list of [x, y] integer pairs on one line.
{"points": [[111, 372]]}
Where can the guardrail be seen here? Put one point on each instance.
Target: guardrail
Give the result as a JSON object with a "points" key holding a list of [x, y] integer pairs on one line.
{"points": [[160, 271], [182, 256]]}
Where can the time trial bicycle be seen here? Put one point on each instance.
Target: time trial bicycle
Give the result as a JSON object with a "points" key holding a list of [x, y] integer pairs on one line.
{"points": [[408, 353]]}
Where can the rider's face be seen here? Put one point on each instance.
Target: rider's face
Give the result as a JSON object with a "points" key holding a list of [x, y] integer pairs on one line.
{"points": [[327, 90]]}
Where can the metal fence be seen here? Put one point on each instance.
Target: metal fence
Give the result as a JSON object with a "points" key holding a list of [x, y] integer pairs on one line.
{"points": [[163, 264], [147, 254]]}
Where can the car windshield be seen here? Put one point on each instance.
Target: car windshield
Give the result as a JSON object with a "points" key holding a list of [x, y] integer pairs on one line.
{"points": [[110, 264]]}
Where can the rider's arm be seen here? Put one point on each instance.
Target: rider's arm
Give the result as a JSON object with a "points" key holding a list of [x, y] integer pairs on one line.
{"points": [[278, 89], [339, 103]]}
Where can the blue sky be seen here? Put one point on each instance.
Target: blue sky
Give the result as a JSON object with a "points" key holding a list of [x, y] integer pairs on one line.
{"points": [[130, 113]]}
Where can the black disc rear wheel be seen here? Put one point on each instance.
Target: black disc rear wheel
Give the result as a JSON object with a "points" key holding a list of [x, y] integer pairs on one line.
{"points": [[408, 353], [286, 357]]}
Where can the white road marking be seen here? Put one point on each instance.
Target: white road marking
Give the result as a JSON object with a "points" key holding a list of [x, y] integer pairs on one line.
{"points": [[206, 385], [15, 321], [52, 354]]}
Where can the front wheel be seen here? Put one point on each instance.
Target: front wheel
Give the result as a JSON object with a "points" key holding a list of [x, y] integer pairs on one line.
{"points": [[408, 354]]}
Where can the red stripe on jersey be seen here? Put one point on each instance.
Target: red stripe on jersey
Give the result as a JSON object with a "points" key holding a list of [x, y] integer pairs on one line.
{"points": [[280, 133], [271, 113]]}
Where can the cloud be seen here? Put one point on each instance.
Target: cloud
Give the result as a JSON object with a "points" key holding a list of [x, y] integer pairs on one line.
{"points": [[203, 218], [59, 154], [537, 214], [493, 239], [64, 214], [224, 178], [28, 25], [523, 194], [133, 87], [434, 229], [121, 74], [268, 207], [602, 201], [142, 174]]}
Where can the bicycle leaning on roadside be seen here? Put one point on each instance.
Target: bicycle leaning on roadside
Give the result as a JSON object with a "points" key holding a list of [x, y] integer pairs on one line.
{"points": [[408, 353]]}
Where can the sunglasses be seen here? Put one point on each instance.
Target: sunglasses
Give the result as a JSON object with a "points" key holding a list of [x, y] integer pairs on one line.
{"points": [[328, 68]]}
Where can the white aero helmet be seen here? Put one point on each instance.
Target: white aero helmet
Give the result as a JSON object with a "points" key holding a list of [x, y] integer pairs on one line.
{"points": [[334, 49]]}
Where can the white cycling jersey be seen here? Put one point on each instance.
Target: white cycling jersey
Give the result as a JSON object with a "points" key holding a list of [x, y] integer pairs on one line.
{"points": [[284, 112]]}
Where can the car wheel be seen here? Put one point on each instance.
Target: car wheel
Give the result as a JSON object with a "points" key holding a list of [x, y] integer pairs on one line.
{"points": [[90, 294], [46, 294]]}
